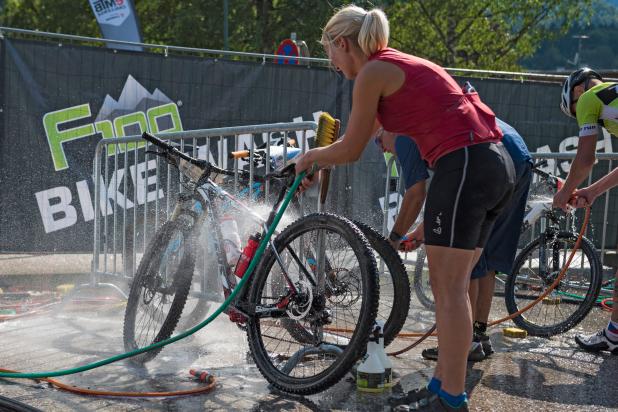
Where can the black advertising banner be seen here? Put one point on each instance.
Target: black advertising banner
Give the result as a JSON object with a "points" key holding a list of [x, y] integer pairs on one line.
{"points": [[58, 102]]}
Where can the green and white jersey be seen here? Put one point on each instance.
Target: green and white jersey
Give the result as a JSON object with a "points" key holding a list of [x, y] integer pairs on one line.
{"points": [[598, 106]]}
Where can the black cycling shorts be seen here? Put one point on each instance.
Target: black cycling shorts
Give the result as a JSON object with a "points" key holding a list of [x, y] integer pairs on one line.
{"points": [[469, 189]]}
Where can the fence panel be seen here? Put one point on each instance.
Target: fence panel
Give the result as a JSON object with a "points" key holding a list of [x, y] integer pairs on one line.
{"points": [[135, 191]]}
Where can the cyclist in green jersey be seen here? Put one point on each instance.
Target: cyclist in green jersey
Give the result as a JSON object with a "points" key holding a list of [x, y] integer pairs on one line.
{"points": [[592, 102]]}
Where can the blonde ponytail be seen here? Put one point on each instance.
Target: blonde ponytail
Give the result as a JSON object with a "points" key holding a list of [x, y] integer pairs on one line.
{"points": [[374, 32], [368, 28]]}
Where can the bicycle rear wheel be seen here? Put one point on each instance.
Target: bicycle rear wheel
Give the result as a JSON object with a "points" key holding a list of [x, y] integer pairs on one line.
{"points": [[335, 306], [394, 301], [160, 287], [535, 269], [422, 287]]}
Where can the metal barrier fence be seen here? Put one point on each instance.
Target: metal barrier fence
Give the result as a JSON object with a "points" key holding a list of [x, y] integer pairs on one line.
{"points": [[599, 214], [119, 235]]}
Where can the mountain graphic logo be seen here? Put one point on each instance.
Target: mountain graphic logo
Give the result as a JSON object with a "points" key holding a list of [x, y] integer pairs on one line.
{"points": [[134, 98]]}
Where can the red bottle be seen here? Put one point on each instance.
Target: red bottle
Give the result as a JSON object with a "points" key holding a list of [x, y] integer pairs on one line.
{"points": [[247, 254]]}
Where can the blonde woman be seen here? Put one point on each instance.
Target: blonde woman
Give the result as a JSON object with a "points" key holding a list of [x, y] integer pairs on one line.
{"points": [[458, 137]]}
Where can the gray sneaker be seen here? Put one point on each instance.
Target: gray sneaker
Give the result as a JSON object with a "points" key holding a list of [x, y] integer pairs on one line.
{"points": [[485, 342], [412, 396], [431, 403], [476, 353], [597, 342]]}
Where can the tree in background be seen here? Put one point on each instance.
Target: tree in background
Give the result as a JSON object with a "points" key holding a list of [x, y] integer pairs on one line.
{"points": [[254, 25], [57, 16], [481, 34]]}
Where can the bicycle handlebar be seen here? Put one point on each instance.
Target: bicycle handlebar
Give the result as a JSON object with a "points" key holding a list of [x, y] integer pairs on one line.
{"points": [[550, 178], [172, 154], [170, 149]]}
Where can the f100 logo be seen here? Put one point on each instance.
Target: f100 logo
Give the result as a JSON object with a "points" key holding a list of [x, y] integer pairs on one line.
{"points": [[136, 110]]}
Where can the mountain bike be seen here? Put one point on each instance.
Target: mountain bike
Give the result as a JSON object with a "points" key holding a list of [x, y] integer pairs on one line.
{"points": [[394, 300], [250, 188], [536, 267], [318, 276]]}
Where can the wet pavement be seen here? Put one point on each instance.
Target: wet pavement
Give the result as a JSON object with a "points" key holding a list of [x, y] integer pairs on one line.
{"points": [[532, 374]]}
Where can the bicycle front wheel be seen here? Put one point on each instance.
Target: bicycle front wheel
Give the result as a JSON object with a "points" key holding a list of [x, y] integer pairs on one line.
{"points": [[160, 287], [536, 267], [331, 266]]}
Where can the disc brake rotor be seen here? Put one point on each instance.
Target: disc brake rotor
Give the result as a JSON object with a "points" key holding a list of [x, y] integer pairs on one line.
{"points": [[297, 310]]}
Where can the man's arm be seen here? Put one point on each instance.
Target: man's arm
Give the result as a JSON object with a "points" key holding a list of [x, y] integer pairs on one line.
{"points": [[410, 208], [580, 168]]}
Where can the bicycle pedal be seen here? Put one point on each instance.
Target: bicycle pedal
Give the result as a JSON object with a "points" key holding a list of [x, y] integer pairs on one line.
{"points": [[237, 317]]}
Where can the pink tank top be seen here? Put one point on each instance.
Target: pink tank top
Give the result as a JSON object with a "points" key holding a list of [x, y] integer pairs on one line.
{"points": [[431, 108]]}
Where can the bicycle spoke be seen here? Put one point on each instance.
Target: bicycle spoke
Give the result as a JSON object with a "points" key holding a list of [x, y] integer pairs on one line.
{"points": [[337, 294], [543, 264]]}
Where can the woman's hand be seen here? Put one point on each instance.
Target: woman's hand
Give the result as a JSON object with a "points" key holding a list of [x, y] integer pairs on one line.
{"points": [[305, 163]]}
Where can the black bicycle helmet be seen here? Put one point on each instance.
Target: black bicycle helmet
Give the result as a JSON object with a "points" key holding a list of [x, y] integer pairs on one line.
{"points": [[577, 77]]}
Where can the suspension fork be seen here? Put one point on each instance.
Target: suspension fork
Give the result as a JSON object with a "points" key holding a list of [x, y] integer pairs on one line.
{"points": [[321, 281], [544, 268], [543, 271]]}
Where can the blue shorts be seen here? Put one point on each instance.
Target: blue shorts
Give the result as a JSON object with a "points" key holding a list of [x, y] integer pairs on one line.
{"points": [[499, 252]]}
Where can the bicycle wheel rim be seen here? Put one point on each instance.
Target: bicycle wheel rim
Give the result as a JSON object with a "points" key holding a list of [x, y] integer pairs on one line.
{"points": [[273, 346], [572, 299]]}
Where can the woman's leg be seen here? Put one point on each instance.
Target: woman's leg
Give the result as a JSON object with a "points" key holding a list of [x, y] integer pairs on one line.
{"points": [[469, 188], [449, 269]]}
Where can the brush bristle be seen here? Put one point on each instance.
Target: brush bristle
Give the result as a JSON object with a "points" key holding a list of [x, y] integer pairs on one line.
{"points": [[327, 130]]}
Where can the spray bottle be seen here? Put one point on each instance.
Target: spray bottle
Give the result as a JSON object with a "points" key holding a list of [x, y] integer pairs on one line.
{"points": [[386, 362], [370, 373]]}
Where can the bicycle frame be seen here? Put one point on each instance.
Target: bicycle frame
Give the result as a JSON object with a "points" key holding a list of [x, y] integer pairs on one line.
{"points": [[200, 202]]}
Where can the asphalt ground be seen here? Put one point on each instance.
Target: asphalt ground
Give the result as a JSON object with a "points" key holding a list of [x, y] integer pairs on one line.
{"points": [[531, 374]]}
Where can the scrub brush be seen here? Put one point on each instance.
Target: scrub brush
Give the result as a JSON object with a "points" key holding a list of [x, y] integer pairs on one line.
{"points": [[328, 130], [327, 133]]}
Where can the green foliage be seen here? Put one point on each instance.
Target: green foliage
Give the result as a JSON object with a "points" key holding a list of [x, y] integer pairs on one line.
{"points": [[57, 16], [482, 34]]}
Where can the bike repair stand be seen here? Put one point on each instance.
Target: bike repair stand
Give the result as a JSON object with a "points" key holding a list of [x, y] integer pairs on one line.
{"points": [[309, 350], [94, 283]]}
